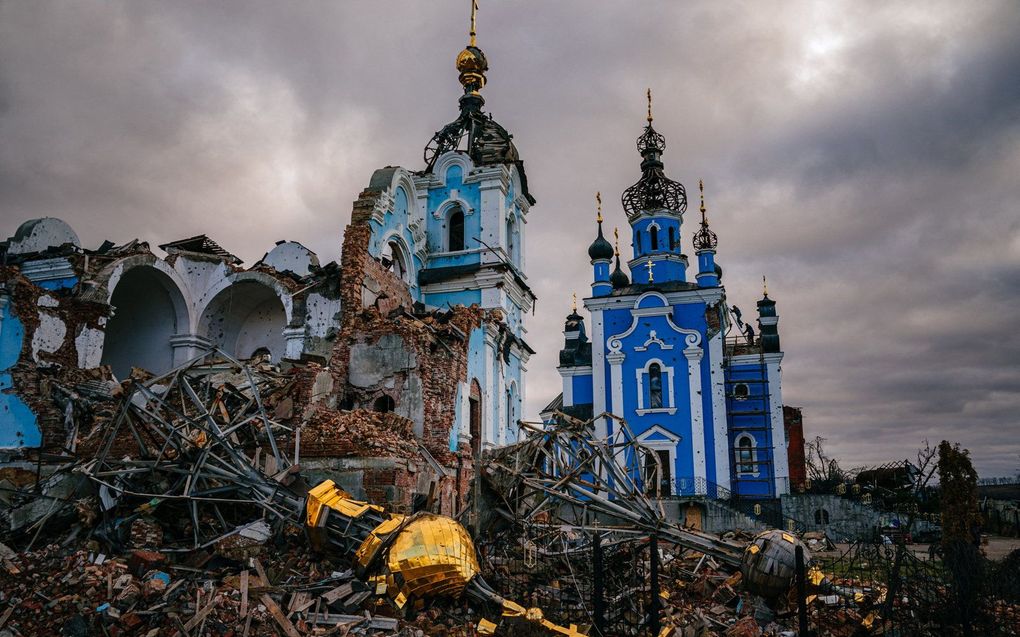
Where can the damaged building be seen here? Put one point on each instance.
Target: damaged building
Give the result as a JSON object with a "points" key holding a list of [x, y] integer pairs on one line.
{"points": [[418, 329]]}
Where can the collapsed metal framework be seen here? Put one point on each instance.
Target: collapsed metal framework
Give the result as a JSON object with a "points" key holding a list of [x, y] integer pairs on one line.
{"points": [[205, 442], [563, 474]]}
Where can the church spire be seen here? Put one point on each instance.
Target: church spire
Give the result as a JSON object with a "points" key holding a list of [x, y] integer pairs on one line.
{"points": [[471, 62], [705, 243], [654, 191], [600, 252], [618, 278]]}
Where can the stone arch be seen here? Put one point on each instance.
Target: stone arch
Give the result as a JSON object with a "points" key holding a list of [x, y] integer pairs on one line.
{"points": [[149, 310], [247, 315]]}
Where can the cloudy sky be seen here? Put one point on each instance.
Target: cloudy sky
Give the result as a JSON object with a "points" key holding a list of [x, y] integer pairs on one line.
{"points": [[864, 156]]}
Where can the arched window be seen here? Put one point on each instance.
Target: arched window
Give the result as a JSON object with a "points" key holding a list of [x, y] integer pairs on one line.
{"points": [[821, 517], [511, 241], [740, 392], [475, 418], [637, 241], [654, 386], [394, 260], [672, 238], [456, 239], [745, 455], [654, 232], [383, 404]]}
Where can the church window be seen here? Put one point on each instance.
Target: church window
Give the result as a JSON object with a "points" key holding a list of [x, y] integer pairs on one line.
{"points": [[741, 392], [383, 404], [511, 241], [654, 386], [746, 455], [672, 239], [394, 261], [456, 230], [654, 232], [637, 241], [821, 517]]}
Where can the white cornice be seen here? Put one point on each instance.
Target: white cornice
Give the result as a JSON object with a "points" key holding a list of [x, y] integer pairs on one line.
{"points": [[574, 371]]}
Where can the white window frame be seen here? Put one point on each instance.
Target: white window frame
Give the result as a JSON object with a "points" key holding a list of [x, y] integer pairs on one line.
{"points": [[739, 462], [670, 445], [669, 404]]}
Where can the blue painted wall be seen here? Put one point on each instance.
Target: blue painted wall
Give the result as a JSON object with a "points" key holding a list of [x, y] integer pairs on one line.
{"points": [[18, 425]]}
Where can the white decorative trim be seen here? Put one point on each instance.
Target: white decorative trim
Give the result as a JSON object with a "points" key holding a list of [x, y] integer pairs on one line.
{"points": [[694, 354], [489, 177], [754, 457], [780, 459], [669, 445], [692, 338], [655, 257], [720, 433], [669, 404], [575, 371], [443, 210], [694, 295], [383, 204], [653, 339], [598, 376], [443, 164]]}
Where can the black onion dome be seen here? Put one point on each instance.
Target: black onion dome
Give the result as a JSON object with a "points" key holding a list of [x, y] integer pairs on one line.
{"points": [[654, 191], [619, 278], [600, 249]]}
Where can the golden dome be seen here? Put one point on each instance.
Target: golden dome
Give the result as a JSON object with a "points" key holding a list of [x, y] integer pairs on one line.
{"points": [[472, 65]]}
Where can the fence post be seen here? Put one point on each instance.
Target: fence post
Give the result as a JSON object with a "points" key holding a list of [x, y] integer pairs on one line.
{"points": [[598, 601], [801, 592], [654, 607]]}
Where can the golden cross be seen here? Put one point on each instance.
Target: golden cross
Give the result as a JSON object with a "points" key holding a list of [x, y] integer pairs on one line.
{"points": [[649, 106], [598, 199], [575, 302], [474, 11], [765, 285], [650, 266], [616, 235]]}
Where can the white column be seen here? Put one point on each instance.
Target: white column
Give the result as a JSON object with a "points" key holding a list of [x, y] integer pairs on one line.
{"points": [[780, 460], [294, 337], [598, 371], [694, 356], [188, 346], [489, 395], [720, 430], [568, 389], [615, 361]]}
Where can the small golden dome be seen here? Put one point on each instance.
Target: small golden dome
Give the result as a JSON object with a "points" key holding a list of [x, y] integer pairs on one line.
{"points": [[472, 65]]}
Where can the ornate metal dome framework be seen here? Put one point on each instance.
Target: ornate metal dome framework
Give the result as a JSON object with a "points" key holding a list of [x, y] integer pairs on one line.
{"points": [[654, 191]]}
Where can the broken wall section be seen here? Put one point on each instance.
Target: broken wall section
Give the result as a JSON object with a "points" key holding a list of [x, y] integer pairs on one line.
{"points": [[395, 359]]}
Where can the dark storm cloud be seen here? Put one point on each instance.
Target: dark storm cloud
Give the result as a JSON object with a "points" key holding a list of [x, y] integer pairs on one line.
{"points": [[862, 155]]}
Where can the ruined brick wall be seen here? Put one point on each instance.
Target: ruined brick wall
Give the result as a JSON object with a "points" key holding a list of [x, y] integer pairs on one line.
{"points": [[50, 358], [438, 340], [793, 423]]}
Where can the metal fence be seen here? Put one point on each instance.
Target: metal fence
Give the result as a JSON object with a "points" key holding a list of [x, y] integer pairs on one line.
{"points": [[885, 589], [602, 582]]}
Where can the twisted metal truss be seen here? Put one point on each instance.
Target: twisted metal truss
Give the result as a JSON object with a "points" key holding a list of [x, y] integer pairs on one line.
{"points": [[563, 475], [204, 445]]}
